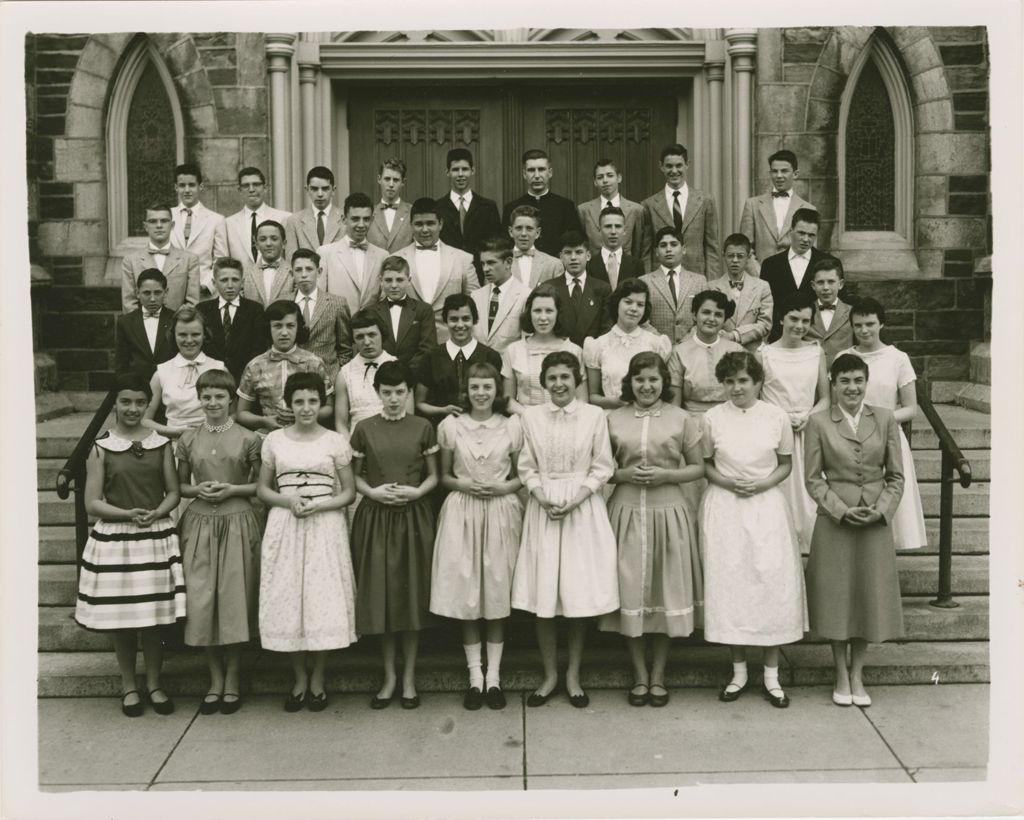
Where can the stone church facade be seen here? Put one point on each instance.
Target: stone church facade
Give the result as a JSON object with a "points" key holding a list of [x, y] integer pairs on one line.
{"points": [[890, 126]]}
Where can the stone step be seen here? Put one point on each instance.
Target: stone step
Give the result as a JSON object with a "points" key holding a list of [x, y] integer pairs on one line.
{"points": [[981, 363], [56, 438], [928, 464], [53, 510], [970, 536], [976, 397], [46, 472], [969, 502], [919, 574], [52, 406], [94, 674], [57, 545], [970, 429]]}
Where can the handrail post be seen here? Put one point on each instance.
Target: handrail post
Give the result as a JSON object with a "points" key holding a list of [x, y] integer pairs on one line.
{"points": [[81, 519], [945, 599]]}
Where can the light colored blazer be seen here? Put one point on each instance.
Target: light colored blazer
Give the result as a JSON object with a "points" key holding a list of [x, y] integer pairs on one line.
{"points": [[544, 267], [758, 224], [300, 230], [673, 322], [400, 234], [341, 277], [457, 276], [839, 335], [238, 232], [701, 252], [753, 316], [283, 286], [328, 331], [843, 470], [206, 240], [181, 269], [506, 328], [633, 237]]}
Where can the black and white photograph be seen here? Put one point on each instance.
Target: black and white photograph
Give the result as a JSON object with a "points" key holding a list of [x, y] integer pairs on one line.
{"points": [[431, 420]]}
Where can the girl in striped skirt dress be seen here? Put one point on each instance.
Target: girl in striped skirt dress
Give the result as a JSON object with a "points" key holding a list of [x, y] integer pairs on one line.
{"points": [[131, 578]]}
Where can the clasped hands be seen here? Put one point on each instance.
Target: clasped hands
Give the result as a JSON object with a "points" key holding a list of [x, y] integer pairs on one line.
{"points": [[648, 476], [142, 517], [394, 494], [214, 491], [862, 516]]}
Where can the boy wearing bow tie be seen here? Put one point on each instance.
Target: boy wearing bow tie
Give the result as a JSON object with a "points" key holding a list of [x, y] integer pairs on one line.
{"points": [[752, 320], [391, 228], [409, 330], [530, 265], [767, 218], [180, 268], [143, 336], [352, 264], [831, 325], [271, 279]]}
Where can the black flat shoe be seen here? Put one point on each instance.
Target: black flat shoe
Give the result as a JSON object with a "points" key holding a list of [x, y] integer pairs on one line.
{"points": [[537, 699], [211, 704], [410, 703], [131, 709], [778, 701], [473, 699], [659, 700], [495, 698], [294, 702], [580, 701], [728, 697], [229, 707], [316, 703], [381, 703], [638, 698], [161, 707]]}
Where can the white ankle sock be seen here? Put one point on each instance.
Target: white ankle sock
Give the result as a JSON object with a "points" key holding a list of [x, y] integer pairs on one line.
{"points": [[494, 651], [771, 678], [476, 675], [739, 675]]}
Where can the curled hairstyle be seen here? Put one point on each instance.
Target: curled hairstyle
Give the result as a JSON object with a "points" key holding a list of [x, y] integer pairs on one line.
{"points": [[485, 370], [304, 381], [524, 210], [742, 361], [868, 306], [628, 287], [526, 320], [216, 380], [391, 374], [639, 362], [798, 300], [847, 363], [357, 199], [188, 313], [134, 382], [393, 164], [276, 311], [561, 357], [721, 300]]}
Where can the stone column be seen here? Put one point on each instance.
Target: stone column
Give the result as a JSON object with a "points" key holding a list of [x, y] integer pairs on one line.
{"points": [[714, 72], [279, 48], [308, 58], [742, 48]]}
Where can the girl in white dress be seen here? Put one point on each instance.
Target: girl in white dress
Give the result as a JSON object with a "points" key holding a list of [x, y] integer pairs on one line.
{"points": [[355, 398], [795, 379], [607, 357], [478, 529], [567, 558], [753, 575], [891, 386]]}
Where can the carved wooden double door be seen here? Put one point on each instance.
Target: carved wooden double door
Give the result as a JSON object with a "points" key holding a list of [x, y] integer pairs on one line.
{"points": [[576, 125]]}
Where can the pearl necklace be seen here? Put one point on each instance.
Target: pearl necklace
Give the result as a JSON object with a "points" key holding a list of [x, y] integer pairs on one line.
{"points": [[219, 428]]}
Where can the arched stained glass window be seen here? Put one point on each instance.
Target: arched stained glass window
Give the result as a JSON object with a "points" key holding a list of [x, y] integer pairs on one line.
{"points": [[150, 146], [870, 156]]}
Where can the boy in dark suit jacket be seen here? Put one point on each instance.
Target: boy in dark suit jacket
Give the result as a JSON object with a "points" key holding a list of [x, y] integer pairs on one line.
{"points": [[143, 336], [789, 271], [409, 330], [831, 325], [557, 214], [584, 296], [468, 218], [611, 262], [238, 331]]}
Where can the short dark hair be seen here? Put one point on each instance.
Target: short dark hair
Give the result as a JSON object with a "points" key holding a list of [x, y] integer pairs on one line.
{"points": [[739, 361], [610, 210], [151, 275], [188, 169], [721, 300], [320, 172], [535, 153], [524, 210], [133, 381], [627, 287], [674, 150], [848, 363], [396, 263], [306, 253], [525, 320], [158, 205], [304, 381], [216, 379], [601, 163], [251, 171], [276, 311], [356, 199], [785, 155], [392, 374], [797, 300], [457, 154], [868, 306], [740, 239], [273, 224], [668, 230], [641, 360], [226, 263], [572, 239], [503, 246], [808, 215], [366, 318], [826, 262], [425, 205], [393, 164], [456, 301], [564, 358]]}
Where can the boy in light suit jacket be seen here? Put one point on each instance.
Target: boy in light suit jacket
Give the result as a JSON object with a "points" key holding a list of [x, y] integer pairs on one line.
{"points": [[240, 227], [197, 229], [672, 287], [607, 180], [320, 223], [271, 278], [179, 268], [751, 323], [530, 265], [352, 264], [499, 303], [767, 218], [325, 315], [831, 325], [435, 269], [391, 228]]}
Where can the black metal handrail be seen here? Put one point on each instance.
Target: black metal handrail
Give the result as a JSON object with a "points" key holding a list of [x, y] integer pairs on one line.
{"points": [[952, 459], [71, 477]]}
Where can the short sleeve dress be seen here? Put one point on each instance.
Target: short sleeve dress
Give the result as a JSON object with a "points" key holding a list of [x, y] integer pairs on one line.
{"points": [[307, 595], [691, 367], [220, 542], [178, 388], [890, 369], [611, 352], [523, 359], [753, 574], [477, 538], [264, 377], [131, 576], [393, 546], [358, 374], [660, 575]]}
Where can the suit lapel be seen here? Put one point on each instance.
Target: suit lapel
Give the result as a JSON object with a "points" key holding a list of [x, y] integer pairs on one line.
{"points": [[400, 217], [768, 213], [174, 258], [661, 207], [843, 427], [164, 325], [318, 310], [660, 281], [280, 286], [743, 303], [838, 319], [693, 203], [867, 426], [404, 322], [446, 270]]}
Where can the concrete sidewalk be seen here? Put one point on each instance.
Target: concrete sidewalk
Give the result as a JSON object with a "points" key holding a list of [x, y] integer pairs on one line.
{"points": [[910, 734]]}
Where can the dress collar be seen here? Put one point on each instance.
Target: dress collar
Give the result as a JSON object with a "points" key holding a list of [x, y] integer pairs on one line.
{"points": [[453, 349], [570, 408], [181, 361], [471, 423]]}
